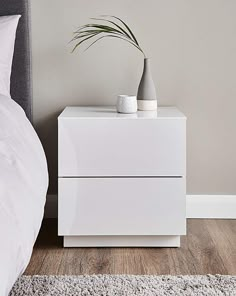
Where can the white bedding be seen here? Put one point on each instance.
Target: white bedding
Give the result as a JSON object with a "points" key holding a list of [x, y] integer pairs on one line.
{"points": [[23, 187]]}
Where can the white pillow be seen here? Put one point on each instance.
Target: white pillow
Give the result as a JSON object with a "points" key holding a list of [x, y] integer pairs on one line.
{"points": [[8, 26]]}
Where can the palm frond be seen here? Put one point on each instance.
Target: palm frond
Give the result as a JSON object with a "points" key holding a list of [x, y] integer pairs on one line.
{"points": [[96, 26], [83, 40], [116, 25], [109, 28], [113, 36], [84, 34], [127, 27]]}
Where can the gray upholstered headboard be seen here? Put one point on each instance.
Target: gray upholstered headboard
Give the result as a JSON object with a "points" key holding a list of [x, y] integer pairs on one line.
{"points": [[21, 81]]}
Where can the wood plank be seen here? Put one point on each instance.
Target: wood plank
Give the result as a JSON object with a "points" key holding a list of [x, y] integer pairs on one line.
{"points": [[224, 236]]}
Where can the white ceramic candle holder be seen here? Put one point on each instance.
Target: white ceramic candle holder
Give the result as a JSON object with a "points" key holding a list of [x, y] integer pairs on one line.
{"points": [[126, 104]]}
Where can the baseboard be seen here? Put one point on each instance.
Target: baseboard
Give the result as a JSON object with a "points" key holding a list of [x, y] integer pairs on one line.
{"points": [[198, 206], [211, 206]]}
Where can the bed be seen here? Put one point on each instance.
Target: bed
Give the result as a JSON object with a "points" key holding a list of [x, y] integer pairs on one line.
{"points": [[23, 167]]}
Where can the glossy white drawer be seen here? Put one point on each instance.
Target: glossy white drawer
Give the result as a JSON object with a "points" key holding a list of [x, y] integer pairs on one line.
{"points": [[121, 206], [113, 147]]}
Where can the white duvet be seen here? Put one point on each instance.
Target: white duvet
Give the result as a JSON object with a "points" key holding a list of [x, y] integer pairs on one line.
{"points": [[23, 187]]}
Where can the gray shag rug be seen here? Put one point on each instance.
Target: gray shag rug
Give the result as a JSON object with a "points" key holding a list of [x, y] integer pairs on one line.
{"points": [[124, 285]]}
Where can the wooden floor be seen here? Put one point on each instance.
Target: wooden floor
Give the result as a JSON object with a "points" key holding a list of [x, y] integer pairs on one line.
{"points": [[209, 247]]}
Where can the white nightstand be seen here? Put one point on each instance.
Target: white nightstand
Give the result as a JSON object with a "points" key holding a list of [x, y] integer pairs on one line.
{"points": [[121, 177]]}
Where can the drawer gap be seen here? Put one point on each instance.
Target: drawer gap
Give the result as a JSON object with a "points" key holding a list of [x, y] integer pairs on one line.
{"points": [[123, 177]]}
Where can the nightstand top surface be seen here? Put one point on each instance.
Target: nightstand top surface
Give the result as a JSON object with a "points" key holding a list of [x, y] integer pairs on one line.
{"points": [[106, 112]]}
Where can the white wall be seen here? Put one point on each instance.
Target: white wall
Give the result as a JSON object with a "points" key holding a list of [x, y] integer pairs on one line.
{"points": [[192, 44]]}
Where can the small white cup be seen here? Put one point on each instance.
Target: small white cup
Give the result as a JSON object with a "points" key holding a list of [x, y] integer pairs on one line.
{"points": [[126, 104]]}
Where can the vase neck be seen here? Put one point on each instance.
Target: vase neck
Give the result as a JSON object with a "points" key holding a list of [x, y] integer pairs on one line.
{"points": [[146, 64]]}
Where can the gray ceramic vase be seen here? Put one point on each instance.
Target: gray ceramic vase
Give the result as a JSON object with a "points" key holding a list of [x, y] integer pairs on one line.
{"points": [[147, 99]]}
